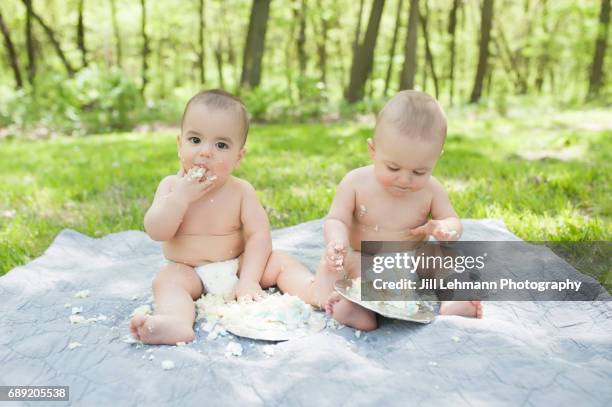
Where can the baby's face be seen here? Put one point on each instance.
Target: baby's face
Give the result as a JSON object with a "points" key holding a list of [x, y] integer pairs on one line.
{"points": [[212, 139], [402, 164]]}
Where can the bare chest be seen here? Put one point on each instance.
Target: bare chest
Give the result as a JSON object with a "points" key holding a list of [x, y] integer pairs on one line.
{"points": [[214, 215], [381, 212]]}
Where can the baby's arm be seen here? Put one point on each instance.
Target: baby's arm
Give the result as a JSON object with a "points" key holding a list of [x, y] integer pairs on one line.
{"points": [[444, 223], [173, 196], [338, 221], [258, 243], [166, 212]]}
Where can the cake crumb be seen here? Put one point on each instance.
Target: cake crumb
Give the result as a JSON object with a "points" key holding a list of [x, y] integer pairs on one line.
{"points": [[82, 294], [167, 365], [233, 349]]}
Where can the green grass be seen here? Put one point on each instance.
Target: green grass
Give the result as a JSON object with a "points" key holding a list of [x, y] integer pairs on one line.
{"points": [[547, 175]]}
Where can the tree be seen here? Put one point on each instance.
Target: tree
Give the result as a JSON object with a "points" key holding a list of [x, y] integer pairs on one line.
{"points": [[428, 54], [81, 34], [52, 38], [410, 62], [321, 37], [596, 78], [300, 15], [145, 46], [11, 52], [392, 47], [116, 33], [485, 35], [254, 46], [364, 55], [452, 26], [201, 40], [30, 44]]}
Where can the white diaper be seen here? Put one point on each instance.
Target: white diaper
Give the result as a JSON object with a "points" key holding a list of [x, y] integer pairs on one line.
{"points": [[219, 278]]}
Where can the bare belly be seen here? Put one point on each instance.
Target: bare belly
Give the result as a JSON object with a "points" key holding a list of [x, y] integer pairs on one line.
{"points": [[196, 250], [361, 232]]}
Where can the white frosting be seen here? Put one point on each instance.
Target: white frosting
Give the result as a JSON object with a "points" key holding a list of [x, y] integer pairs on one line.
{"points": [[274, 313], [167, 365], [233, 349]]}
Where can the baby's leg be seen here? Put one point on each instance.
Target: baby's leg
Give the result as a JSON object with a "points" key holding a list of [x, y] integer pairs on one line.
{"points": [[175, 288], [350, 314], [464, 308], [291, 276]]}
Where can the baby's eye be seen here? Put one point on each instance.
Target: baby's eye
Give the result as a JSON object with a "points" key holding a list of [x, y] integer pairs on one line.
{"points": [[393, 169], [221, 145], [194, 140], [418, 173]]}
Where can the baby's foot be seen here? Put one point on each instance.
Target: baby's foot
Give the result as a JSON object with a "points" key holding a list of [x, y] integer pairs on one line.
{"points": [[160, 329], [350, 314], [463, 308]]}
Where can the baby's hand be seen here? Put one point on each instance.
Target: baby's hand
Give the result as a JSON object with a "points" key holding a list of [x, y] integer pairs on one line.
{"points": [[194, 184], [334, 256], [248, 290], [437, 229]]}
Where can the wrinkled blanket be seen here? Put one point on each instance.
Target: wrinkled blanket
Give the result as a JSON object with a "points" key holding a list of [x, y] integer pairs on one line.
{"points": [[521, 353]]}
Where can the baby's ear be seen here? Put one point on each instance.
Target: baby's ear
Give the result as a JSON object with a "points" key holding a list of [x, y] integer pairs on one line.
{"points": [[241, 154], [371, 148]]}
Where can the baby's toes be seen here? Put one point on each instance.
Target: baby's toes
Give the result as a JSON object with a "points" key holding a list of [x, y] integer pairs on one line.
{"points": [[331, 302], [135, 324]]}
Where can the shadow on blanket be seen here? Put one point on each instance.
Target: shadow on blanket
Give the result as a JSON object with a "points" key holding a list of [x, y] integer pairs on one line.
{"points": [[520, 353]]}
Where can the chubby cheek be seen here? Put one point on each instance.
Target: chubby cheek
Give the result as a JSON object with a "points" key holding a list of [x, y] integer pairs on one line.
{"points": [[222, 167], [385, 178]]}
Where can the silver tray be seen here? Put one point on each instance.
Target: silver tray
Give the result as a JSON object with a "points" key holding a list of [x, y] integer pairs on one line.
{"points": [[315, 324], [423, 315]]}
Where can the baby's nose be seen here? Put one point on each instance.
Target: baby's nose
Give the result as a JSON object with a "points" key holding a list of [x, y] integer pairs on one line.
{"points": [[404, 180], [206, 149]]}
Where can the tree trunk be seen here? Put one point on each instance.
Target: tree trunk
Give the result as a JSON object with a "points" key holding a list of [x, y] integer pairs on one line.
{"points": [[201, 39], [357, 39], [116, 33], [485, 35], [520, 83], [452, 27], [81, 34], [300, 16], [364, 55], [11, 52], [322, 38], [410, 51], [428, 53], [288, 53], [51, 35], [219, 60], [145, 46], [255, 42], [30, 44], [392, 47], [596, 79]]}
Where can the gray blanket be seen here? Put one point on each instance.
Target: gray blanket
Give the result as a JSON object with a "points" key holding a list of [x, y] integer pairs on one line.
{"points": [[521, 353]]}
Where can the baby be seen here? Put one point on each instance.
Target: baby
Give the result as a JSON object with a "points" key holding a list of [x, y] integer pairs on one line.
{"points": [[394, 199], [216, 234]]}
